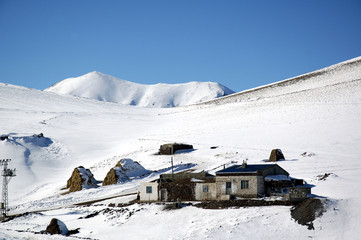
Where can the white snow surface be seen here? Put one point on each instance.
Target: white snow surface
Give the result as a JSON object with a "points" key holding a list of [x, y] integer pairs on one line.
{"points": [[317, 113], [99, 86]]}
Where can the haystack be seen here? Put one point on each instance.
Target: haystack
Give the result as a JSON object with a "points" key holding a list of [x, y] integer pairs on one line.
{"points": [[56, 227], [81, 178], [124, 170], [276, 155], [111, 177]]}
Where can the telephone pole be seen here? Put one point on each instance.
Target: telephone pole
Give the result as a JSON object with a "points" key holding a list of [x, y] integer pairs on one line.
{"points": [[7, 175]]}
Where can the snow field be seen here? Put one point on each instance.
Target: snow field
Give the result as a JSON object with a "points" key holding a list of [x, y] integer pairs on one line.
{"points": [[323, 119]]}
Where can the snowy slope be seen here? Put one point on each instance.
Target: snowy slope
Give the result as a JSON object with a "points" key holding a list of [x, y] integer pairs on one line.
{"points": [[99, 86], [335, 75], [320, 114]]}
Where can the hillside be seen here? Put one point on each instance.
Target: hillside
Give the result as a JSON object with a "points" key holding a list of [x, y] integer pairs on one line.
{"points": [[102, 87], [318, 113]]}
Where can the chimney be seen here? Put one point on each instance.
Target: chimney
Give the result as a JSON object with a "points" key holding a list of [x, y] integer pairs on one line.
{"points": [[244, 164]]}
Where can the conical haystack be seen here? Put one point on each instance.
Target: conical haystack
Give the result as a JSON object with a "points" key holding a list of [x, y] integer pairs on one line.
{"points": [[276, 155], [56, 227], [110, 178], [124, 170], [81, 178]]}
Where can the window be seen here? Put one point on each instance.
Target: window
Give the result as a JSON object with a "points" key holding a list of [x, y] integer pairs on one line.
{"points": [[244, 184], [148, 189], [228, 184], [205, 188]]}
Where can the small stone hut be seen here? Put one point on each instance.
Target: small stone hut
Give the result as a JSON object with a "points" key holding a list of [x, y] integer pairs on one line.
{"points": [[171, 148]]}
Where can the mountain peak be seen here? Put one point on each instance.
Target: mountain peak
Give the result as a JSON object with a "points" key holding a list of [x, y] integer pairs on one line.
{"points": [[100, 86]]}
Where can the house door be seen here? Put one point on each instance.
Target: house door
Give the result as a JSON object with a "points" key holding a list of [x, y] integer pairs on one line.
{"points": [[163, 195], [228, 188]]}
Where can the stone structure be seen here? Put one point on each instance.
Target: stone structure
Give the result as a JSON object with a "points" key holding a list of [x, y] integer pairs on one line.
{"points": [[171, 148]]}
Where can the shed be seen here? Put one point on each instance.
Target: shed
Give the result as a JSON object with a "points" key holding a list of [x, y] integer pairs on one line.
{"points": [[171, 148], [148, 191], [186, 186]]}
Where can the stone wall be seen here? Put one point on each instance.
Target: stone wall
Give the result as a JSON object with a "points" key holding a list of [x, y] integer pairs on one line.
{"points": [[204, 196], [298, 194], [251, 191]]}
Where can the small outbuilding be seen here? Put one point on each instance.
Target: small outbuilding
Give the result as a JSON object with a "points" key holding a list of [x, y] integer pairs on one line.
{"points": [[181, 186], [171, 148], [148, 191]]}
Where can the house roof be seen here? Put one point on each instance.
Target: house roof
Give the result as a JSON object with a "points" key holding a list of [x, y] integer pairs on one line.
{"points": [[250, 168], [187, 176]]}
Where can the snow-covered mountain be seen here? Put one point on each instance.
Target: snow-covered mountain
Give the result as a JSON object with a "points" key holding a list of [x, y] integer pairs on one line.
{"points": [[99, 86], [313, 118]]}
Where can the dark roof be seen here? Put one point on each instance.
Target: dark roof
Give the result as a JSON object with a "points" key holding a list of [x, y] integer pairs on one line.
{"points": [[187, 176], [250, 168]]}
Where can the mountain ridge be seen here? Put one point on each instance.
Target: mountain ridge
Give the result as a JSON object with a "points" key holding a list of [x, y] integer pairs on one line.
{"points": [[103, 87]]}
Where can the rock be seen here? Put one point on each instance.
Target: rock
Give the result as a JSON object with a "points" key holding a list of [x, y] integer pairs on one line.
{"points": [[276, 155], [307, 211], [307, 154], [324, 176], [81, 178], [4, 137], [171, 148], [56, 227]]}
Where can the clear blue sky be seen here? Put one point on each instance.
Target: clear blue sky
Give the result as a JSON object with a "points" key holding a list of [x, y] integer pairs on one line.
{"points": [[240, 44]]}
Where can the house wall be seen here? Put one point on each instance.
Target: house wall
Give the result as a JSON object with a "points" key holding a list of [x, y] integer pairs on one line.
{"points": [[204, 196], [261, 188], [252, 191], [148, 197], [298, 194], [174, 191]]}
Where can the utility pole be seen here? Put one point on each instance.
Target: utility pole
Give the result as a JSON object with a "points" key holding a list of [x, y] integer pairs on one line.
{"points": [[7, 175], [171, 160]]}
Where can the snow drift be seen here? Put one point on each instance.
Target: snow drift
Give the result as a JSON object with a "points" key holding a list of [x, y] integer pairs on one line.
{"points": [[99, 86]]}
